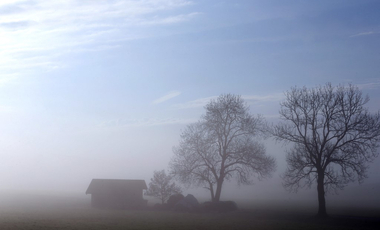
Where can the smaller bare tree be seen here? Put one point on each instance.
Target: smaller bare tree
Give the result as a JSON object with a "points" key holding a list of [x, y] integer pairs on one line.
{"points": [[162, 187], [222, 146]]}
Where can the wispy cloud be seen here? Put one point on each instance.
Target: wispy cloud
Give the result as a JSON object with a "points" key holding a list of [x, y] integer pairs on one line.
{"points": [[265, 98], [370, 85], [194, 104], [166, 97], [250, 99], [170, 20], [145, 122], [49, 29], [364, 34], [201, 102]]}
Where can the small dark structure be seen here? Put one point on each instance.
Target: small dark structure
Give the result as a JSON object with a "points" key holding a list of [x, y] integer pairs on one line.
{"points": [[187, 204], [174, 199], [117, 194]]}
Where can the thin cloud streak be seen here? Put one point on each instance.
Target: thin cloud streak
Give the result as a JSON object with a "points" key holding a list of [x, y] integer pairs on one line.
{"points": [[364, 34], [370, 85], [171, 20], [266, 98], [195, 103], [146, 122], [250, 99], [168, 96]]}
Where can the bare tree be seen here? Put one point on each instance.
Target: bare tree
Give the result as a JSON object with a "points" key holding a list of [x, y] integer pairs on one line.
{"points": [[221, 146], [334, 136], [162, 187]]}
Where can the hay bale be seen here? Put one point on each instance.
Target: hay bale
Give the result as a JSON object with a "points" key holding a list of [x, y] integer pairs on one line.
{"points": [[187, 204], [174, 199]]}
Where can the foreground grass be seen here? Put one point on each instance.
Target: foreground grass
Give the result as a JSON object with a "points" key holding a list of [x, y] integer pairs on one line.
{"points": [[55, 212], [87, 218]]}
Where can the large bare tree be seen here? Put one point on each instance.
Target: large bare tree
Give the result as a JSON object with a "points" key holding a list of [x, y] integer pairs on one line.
{"points": [[334, 136], [221, 146]]}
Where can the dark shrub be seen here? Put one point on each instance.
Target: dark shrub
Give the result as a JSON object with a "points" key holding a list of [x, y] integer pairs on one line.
{"points": [[187, 204], [174, 199]]}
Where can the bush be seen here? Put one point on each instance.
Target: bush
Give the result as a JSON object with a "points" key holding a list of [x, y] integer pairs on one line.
{"points": [[187, 204], [174, 199]]}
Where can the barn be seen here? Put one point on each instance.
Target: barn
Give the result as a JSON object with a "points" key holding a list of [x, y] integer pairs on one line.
{"points": [[117, 194]]}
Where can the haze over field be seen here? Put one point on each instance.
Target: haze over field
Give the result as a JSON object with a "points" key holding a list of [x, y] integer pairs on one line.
{"points": [[102, 89]]}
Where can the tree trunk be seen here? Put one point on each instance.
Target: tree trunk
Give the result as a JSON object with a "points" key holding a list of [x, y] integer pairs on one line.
{"points": [[321, 196], [218, 190], [212, 191]]}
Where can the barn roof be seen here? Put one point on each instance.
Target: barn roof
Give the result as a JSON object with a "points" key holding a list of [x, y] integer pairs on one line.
{"points": [[114, 185]]}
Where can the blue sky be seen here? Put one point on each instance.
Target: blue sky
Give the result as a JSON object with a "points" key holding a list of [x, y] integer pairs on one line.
{"points": [[102, 89]]}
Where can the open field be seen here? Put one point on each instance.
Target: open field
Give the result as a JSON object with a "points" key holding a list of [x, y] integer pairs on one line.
{"points": [[70, 213], [113, 219]]}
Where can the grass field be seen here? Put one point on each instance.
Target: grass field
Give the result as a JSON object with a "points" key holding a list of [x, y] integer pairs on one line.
{"points": [[42, 213]]}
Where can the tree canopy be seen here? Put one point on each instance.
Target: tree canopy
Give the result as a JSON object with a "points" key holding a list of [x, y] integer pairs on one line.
{"points": [[162, 187], [222, 146], [334, 137]]}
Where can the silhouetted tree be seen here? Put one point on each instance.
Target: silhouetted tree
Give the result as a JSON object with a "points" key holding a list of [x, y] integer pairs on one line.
{"points": [[221, 146], [334, 138], [162, 187]]}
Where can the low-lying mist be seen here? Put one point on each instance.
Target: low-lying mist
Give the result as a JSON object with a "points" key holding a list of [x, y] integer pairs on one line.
{"points": [[354, 200]]}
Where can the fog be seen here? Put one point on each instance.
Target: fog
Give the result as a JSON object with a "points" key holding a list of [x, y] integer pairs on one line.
{"points": [[104, 90], [64, 185]]}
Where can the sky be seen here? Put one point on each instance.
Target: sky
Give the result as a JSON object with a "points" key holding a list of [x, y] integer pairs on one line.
{"points": [[102, 89]]}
